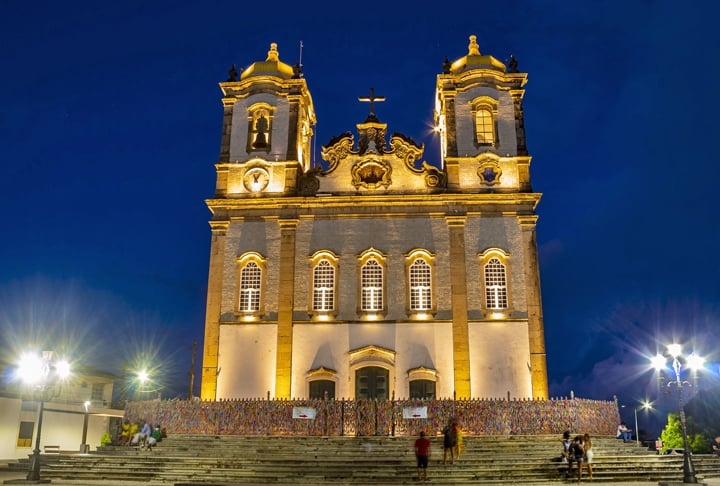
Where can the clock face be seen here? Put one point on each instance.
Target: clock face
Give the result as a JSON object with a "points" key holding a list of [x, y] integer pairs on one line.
{"points": [[256, 179]]}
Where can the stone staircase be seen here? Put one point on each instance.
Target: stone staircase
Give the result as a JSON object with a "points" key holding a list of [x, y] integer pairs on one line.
{"points": [[360, 460]]}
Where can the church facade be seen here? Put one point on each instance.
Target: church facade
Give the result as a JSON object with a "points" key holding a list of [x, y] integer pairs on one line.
{"points": [[374, 274]]}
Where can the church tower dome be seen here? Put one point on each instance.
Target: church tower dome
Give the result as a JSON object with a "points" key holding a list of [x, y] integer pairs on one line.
{"points": [[268, 125], [272, 66], [475, 60]]}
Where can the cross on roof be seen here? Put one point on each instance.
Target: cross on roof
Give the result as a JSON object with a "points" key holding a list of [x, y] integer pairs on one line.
{"points": [[372, 99]]}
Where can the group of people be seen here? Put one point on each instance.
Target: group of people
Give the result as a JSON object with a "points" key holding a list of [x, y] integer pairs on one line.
{"points": [[145, 436], [577, 451], [452, 446], [452, 442]]}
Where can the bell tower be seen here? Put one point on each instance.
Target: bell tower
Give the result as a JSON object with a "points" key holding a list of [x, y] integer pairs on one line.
{"points": [[479, 114], [267, 130], [268, 120]]}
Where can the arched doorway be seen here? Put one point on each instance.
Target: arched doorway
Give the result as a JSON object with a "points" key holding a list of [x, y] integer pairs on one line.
{"points": [[371, 382]]}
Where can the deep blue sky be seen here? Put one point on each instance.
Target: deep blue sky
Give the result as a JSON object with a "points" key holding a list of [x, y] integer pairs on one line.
{"points": [[110, 120]]}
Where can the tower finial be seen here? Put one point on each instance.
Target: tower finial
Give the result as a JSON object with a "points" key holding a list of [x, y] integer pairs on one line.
{"points": [[273, 54], [473, 47]]}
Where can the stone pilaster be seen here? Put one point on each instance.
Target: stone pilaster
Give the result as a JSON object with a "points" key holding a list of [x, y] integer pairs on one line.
{"points": [[458, 289], [211, 343], [286, 291], [536, 331]]}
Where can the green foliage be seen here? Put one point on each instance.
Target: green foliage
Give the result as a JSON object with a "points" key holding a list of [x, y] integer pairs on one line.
{"points": [[672, 436], [105, 439]]}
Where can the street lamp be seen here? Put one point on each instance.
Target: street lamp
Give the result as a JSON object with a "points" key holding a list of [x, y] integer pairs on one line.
{"points": [[41, 372], [694, 362], [84, 447], [645, 406]]}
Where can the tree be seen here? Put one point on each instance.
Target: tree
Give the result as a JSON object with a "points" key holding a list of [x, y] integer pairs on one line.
{"points": [[672, 435]]}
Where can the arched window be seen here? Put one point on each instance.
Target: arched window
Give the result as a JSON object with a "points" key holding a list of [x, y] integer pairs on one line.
{"points": [[485, 111], [420, 285], [323, 298], [250, 284], [496, 294], [484, 127], [371, 284], [260, 121]]}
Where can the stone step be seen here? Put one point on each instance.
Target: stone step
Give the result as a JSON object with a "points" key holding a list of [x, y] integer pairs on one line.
{"points": [[367, 460]]}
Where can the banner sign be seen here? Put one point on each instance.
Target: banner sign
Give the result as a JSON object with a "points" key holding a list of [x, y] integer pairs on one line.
{"points": [[304, 413], [415, 412]]}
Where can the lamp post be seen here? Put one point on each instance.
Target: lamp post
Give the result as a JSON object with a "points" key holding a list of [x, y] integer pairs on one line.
{"points": [[645, 406], [143, 378], [694, 361], [41, 373], [84, 446]]}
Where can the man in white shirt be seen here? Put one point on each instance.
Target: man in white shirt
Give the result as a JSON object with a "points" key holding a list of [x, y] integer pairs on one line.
{"points": [[624, 433]]}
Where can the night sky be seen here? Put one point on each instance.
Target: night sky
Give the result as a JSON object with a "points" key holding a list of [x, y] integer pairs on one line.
{"points": [[110, 119]]}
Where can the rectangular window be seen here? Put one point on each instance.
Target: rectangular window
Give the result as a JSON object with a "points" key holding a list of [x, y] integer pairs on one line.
{"points": [[98, 392], [25, 434]]}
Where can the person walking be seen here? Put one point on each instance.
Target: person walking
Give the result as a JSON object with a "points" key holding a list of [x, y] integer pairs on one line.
{"points": [[449, 441], [576, 454], [422, 455], [587, 446], [458, 439]]}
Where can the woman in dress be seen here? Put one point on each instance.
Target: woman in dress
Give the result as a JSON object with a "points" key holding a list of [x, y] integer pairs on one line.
{"points": [[588, 454]]}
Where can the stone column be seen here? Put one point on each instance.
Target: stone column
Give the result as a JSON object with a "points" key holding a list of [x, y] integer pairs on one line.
{"points": [[538, 359], [458, 289], [286, 292], [208, 388]]}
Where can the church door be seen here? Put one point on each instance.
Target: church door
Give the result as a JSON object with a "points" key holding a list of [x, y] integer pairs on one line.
{"points": [[371, 382]]}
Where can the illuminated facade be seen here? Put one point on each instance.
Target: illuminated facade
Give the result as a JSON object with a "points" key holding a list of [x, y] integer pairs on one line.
{"points": [[375, 274]]}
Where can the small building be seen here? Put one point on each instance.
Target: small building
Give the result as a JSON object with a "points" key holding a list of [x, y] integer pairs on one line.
{"points": [[64, 414]]}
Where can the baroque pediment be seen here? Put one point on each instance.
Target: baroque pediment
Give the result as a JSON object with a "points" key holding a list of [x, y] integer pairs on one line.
{"points": [[372, 164]]}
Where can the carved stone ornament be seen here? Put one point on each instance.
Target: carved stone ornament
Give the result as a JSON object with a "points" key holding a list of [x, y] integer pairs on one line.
{"points": [[371, 174], [308, 183], [337, 150], [489, 172], [433, 177], [405, 149]]}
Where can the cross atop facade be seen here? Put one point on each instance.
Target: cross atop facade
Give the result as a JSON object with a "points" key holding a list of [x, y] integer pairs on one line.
{"points": [[372, 99]]}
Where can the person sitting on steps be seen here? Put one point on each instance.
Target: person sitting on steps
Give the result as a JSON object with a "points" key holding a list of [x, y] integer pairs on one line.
{"points": [[624, 433]]}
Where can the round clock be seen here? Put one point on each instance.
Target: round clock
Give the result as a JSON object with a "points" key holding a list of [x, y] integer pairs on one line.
{"points": [[256, 179]]}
